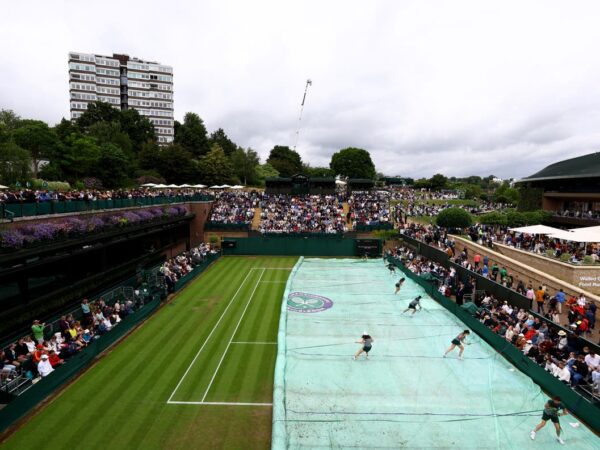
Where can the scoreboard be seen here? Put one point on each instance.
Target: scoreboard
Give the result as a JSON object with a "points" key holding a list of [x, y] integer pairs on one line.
{"points": [[370, 247]]}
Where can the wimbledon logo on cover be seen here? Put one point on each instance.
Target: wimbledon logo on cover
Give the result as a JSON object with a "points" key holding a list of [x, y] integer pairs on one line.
{"points": [[308, 303]]}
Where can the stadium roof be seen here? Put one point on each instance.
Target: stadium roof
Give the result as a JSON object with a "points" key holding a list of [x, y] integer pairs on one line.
{"points": [[586, 166]]}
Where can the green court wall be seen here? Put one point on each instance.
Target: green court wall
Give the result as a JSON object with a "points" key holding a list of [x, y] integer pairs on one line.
{"points": [[294, 246]]}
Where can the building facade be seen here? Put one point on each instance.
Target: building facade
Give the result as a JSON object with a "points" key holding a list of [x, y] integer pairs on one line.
{"points": [[125, 83], [570, 189]]}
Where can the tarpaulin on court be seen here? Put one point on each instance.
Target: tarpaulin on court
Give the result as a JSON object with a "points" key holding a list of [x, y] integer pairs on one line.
{"points": [[406, 395]]}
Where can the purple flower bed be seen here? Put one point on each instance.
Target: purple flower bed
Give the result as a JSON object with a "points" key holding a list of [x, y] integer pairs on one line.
{"points": [[46, 232]]}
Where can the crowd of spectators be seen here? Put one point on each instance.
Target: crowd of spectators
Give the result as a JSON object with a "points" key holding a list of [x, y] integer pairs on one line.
{"points": [[234, 207], [175, 268], [568, 251], [38, 354], [580, 313], [558, 350], [282, 213], [88, 195], [369, 208]]}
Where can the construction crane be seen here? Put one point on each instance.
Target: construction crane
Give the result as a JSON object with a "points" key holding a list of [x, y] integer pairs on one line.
{"points": [[308, 83]]}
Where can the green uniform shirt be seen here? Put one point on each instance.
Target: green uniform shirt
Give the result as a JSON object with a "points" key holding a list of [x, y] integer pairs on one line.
{"points": [[38, 332]]}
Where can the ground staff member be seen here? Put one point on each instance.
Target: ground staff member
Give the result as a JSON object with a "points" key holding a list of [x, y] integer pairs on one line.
{"points": [[367, 342], [551, 413]]}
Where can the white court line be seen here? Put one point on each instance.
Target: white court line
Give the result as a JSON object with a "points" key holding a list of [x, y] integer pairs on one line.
{"points": [[276, 282], [271, 268], [255, 343], [232, 335], [220, 403], [208, 338]]}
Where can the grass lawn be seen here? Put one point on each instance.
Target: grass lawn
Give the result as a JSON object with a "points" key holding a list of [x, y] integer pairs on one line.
{"points": [[197, 374]]}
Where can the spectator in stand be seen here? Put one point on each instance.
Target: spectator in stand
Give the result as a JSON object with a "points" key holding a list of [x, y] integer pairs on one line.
{"points": [[539, 299], [87, 312], [6, 366], [38, 331], [44, 367]]}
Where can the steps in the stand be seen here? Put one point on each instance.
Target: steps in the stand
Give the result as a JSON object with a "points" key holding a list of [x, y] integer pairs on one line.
{"points": [[256, 220]]}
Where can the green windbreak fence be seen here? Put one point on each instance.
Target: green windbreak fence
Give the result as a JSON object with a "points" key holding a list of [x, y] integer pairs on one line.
{"points": [[11, 210], [327, 245], [25, 402], [576, 404]]}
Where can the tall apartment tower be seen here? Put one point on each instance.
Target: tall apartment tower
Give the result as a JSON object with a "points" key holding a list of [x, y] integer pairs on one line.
{"points": [[125, 83]]}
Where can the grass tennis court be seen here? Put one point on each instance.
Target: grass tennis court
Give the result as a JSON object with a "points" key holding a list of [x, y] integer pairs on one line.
{"points": [[198, 374]]}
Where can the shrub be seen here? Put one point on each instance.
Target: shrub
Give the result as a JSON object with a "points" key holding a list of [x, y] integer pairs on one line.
{"points": [[454, 218], [565, 257], [588, 260]]}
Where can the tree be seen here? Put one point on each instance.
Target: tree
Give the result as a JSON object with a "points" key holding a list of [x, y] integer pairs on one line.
{"points": [[506, 194], [113, 166], [438, 182], [318, 172], [14, 163], [191, 135], [176, 165], [219, 137], [285, 160], [64, 129], [244, 165], [137, 127], [39, 139], [149, 157], [215, 167], [110, 133], [78, 157], [473, 191], [264, 171], [9, 120], [454, 218], [353, 163], [97, 112]]}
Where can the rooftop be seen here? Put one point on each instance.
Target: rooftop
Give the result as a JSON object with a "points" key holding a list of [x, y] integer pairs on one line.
{"points": [[586, 166]]}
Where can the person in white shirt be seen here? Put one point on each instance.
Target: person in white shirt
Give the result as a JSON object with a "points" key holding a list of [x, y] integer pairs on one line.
{"points": [[562, 372], [509, 334], [592, 360], [44, 366], [581, 301]]}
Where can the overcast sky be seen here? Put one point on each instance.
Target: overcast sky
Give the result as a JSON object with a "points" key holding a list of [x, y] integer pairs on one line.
{"points": [[457, 87]]}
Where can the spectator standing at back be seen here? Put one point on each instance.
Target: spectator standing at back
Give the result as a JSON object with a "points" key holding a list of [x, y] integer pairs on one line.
{"points": [[477, 260], [495, 271], [530, 294], [560, 299], [539, 299], [38, 331]]}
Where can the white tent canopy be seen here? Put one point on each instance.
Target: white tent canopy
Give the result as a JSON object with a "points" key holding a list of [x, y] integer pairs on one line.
{"points": [[172, 186], [149, 185], [582, 235], [199, 186], [536, 229], [185, 186], [340, 182], [216, 186], [237, 186], [587, 229], [3, 187], [159, 186]]}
